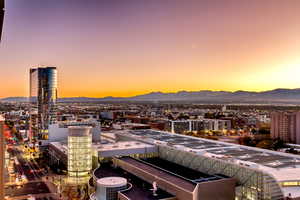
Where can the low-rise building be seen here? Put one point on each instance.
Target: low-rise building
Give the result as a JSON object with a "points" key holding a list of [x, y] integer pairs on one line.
{"points": [[59, 131], [260, 174], [181, 126]]}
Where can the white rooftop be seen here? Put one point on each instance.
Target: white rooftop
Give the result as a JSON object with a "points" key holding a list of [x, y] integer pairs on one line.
{"points": [[121, 145], [111, 182], [121, 148], [283, 166]]}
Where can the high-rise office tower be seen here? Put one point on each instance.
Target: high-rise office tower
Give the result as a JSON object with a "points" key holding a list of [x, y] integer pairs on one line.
{"points": [[2, 147], [286, 126], [43, 97], [1, 16]]}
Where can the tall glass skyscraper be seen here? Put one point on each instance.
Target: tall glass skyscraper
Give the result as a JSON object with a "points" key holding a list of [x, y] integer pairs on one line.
{"points": [[43, 97]]}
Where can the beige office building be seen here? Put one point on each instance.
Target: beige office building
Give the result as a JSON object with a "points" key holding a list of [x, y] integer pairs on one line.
{"points": [[286, 126]]}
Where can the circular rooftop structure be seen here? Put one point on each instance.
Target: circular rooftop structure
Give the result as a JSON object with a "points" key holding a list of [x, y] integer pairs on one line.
{"points": [[108, 188], [111, 182]]}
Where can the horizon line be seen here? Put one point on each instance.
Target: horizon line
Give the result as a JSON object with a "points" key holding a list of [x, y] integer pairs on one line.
{"points": [[233, 91]]}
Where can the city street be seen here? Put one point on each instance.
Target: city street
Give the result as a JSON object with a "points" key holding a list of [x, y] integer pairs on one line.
{"points": [[27, 167], [35, 184], [28, 188]]}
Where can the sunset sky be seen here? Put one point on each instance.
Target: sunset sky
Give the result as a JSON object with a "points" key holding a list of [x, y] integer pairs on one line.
{"points": [[129, 47]]}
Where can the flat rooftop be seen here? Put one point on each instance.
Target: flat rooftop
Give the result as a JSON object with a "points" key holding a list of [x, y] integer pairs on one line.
{"points": [[171, 178], [110, 149], [140, 189], [179, 170], [176, 139], [282, 165], [121, 146]]}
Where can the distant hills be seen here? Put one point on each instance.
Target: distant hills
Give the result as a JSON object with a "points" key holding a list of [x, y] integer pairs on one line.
{"points": [[203, 96], [14, 99]]}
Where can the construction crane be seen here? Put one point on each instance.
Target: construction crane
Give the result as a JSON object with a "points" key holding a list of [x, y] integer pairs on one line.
{"points": [[1, 16]]}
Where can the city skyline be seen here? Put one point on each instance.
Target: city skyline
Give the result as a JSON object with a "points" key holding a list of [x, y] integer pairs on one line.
{"points": [[122, 49], [151, 100]]}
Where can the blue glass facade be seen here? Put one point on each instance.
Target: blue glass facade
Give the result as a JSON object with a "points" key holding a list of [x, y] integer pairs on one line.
{"points": [[43, 97]]}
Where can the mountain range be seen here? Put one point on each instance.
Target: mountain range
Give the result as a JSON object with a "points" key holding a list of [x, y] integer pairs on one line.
{"points": [[204, 96]]}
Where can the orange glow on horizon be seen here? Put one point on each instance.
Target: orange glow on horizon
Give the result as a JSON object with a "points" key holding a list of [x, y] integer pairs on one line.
{"points": [[123, 50]]}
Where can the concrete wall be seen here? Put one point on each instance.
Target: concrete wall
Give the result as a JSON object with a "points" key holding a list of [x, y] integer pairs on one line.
{"points": [[223, 189], [127, 152], [57, 133]]}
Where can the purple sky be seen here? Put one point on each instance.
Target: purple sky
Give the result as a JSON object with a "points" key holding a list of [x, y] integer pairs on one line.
{"points": [[129, 47]]}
